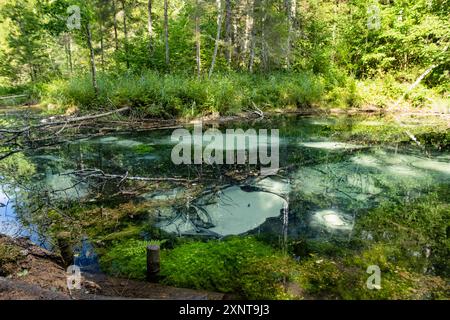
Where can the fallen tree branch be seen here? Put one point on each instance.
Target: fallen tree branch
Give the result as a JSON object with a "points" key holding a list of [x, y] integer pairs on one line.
{"points": [[258, 111], [13, 97], [414, 85], [44, 123], [97, 173]]}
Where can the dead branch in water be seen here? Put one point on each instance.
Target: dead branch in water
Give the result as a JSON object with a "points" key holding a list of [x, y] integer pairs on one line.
{"points": [[97, 173], [411, 88], [46, 123], [47, 132], [258, 111]]}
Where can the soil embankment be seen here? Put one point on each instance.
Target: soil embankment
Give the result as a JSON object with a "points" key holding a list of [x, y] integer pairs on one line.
{"points": [[28, 272]]}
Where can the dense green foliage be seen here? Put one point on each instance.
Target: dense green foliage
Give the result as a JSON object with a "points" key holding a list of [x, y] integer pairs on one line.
{"points": [[171, 95], [345, 53]]}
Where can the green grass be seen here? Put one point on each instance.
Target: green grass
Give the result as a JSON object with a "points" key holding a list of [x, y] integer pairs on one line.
{"points": [[152, 94]]}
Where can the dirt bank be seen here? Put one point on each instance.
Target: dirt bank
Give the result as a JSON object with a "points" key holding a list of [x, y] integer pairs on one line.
{"points": [[28, 272]]}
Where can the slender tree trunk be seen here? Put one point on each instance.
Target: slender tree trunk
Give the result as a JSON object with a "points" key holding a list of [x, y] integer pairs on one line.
{"points": [[150, 27], [236, 40], [288, 8], [252, 40], [219, 30], [197, 39], [228, 50], [334, 35], [252, 52], [125, 33], [32, 73], [116, 37], [92, 56], [166, 31], [264, 46], [66, 49], [102, 47], [249, 23], [69, 52]]}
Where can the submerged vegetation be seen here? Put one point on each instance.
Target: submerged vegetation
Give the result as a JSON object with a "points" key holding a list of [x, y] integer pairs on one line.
{"points": [[411, 255], [354, 190], [360, 195]]}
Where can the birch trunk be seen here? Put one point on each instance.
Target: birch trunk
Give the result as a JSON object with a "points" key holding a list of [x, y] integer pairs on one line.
{"points": [[249, 23], [219, 30], [252, 39]]}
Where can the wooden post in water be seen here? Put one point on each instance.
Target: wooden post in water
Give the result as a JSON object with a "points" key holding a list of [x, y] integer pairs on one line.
{"points": [[153, 263]]}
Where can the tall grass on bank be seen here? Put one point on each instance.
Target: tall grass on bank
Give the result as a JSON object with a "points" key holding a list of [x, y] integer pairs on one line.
{"points": [[152, 94]]}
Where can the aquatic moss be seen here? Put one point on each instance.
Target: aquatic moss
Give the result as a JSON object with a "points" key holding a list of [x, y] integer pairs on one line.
{"points": [[416, 232], [407, 241], [346, 278], [242, 266], [142, 149]]}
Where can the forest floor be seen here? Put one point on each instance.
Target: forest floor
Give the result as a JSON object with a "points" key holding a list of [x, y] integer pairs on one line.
{"points": [[28, 272]]}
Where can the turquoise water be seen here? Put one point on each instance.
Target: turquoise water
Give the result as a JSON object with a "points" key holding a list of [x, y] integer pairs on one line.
{"points": [[326, 182]]}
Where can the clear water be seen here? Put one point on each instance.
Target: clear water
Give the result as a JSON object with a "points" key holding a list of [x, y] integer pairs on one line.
{"points": [[326, 183]]}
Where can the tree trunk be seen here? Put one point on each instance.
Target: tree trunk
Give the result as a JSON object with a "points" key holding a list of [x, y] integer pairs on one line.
{"points": [[288, 8], [235, 36], [32, 73], [219, 30], [334, 36], [166, 31], [102, 47], [228, 50], [197, 39], [264, 46], [116, 38], [150, 26], [249, 23], [92, 56], [125, 33], [69, 52], [252, 40]]}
